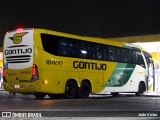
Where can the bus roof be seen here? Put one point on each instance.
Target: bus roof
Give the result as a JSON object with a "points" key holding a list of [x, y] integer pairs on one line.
{"points": [[87, 38]]}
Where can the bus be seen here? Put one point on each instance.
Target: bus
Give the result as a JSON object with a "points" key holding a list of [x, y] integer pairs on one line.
{"points": [[43, 62]]}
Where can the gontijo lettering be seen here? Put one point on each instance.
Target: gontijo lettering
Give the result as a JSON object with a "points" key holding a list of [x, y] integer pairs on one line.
{"points": [[89, 65], [18, 51]]}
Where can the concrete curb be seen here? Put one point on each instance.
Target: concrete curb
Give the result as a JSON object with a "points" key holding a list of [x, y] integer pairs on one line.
{"points": [[152, 95]]}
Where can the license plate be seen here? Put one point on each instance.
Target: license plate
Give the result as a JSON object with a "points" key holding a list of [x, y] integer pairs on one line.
{"points": [[16, 86]]}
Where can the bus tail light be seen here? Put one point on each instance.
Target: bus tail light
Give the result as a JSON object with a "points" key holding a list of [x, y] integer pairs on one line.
{"points": [[19, 29], [35, 75], [4, 74]]}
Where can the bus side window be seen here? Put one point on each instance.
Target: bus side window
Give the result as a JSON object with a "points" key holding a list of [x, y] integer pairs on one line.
{"points": [[66, 47], [62, 47], [105, 53], [135, 57], [140, 60], [97, 51], [71, 48], [149, 60], [85, 49], [110, 54], [77, 49], [50, 43], [117, 54], [126, 55], [113, 53], [89, 50]]}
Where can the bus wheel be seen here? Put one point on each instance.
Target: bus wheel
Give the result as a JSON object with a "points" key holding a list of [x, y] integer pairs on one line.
{"points": [[39, 95], [85, 90], [70, 90], [141, 90], [55, 96]]}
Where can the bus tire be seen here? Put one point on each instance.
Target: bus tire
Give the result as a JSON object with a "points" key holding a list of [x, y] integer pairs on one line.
{"points": [[70, 90], [85, 90], [141, 89], [55, 96], [39, 95]]}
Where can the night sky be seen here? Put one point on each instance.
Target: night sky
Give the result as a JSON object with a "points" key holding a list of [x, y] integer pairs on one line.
{"points": [[97, 18]]}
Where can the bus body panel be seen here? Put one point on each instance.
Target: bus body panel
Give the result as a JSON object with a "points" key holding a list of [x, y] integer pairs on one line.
{"points": [[57, 70], [131, 84]]}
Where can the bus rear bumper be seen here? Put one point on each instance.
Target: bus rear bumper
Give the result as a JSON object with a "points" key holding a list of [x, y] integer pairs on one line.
{"points": [[20, 88]]}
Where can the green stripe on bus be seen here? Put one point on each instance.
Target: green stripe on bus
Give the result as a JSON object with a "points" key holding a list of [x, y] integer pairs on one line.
{"points": [[120, 75]]}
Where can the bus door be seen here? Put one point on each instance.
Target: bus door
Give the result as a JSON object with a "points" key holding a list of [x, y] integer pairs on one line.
{"points": [[151, 71]]}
